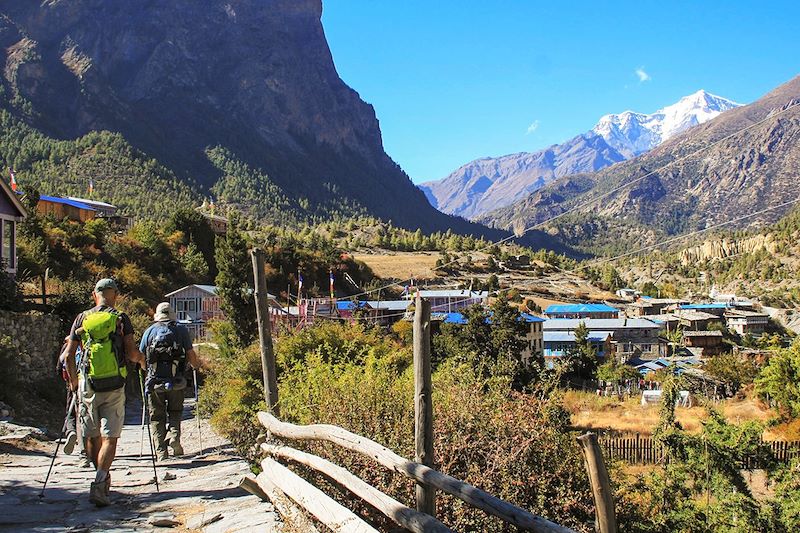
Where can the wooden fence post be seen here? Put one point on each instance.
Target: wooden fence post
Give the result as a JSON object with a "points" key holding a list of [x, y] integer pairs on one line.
{"points": [[264, 332], [601, 485], [423, 406]]}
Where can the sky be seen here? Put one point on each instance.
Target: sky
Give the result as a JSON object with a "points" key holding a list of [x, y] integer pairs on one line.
{"points": [[452, 81]]}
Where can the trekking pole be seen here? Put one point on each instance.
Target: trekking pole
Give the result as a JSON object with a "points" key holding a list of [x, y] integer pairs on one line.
{"points": [[149, 436], [58, 443], [197, 409], [141, 433]]}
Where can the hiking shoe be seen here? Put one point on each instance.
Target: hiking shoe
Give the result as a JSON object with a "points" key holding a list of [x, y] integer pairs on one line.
{"points": [[69, 444], [98, 494], [84, 462], [177, 449], [162, 456]]}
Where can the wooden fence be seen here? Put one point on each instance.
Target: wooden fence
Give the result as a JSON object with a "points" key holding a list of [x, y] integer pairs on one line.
{"points": [[646, 450]]}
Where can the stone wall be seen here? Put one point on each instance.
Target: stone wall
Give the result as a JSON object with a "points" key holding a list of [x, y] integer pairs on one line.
{"points": [[37, 338]]}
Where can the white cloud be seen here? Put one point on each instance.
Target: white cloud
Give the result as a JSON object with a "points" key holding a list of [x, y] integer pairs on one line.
{"points": [[642, 75], [533, 127]]}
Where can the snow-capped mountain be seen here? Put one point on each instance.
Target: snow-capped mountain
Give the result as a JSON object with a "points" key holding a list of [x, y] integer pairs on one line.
{"points": [[493, 182], [632, 133]]}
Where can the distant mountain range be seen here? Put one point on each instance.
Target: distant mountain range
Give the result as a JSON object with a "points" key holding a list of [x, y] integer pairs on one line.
{"points": [[743, 161], [490, 183]]}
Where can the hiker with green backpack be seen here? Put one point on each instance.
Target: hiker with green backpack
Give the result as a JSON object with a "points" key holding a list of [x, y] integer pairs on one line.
{"points": [[107, 337]]}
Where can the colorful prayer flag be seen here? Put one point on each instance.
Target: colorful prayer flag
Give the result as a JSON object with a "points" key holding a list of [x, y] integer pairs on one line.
{"points": [[332, 293], [14, 185]]}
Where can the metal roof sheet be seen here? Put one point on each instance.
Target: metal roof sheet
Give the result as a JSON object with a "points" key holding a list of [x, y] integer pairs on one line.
{"points": [[580, 308]]}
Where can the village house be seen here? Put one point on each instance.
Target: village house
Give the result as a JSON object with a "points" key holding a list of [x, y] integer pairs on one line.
{"points": [[197, 305], [709, 343], [628, 293], [651, 306], [12, 213], [450, 300], [581, 311], [746, 322], [626, 337], [106, 211], [696, 320], [64, 208], [716, 309], [534, 338], [558, 344]]}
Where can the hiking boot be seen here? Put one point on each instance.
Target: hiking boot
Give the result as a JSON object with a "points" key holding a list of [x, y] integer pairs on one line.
{"points": [[69, 444], [84, 462], [177, 449], [162, 455], [98, 493]]}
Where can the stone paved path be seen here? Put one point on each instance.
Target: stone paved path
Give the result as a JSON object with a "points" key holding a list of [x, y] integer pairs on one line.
{"points": [[204, 488]]}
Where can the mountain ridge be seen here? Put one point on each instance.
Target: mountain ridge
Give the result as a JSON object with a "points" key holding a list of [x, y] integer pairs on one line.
{"points": [[489, 183], [715, 172]]}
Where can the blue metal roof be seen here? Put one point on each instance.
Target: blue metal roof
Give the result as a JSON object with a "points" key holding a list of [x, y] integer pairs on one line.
{"points": [[65, 201], [703, 306], [531, 318], [349, 305], [454, 318], [580, 308]]}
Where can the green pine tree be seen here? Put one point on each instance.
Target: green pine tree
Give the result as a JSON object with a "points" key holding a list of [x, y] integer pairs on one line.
{"points": [[235, 283]]}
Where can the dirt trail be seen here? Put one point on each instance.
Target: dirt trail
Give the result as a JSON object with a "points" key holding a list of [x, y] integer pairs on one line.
{"points": [[202, 493]]}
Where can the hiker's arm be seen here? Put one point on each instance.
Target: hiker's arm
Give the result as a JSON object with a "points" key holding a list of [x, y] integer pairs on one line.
{"points": [[194, 360], [132, 352], [72, 367]]}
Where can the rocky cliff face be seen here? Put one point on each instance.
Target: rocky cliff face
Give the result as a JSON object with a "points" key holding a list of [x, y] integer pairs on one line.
{"points": [[254, 77], [722, 248], [743, 161]]}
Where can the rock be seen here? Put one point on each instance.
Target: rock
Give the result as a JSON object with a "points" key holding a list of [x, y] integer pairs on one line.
{"points": [[6, 411], [202, 520], [164, 520], [168, 476]]}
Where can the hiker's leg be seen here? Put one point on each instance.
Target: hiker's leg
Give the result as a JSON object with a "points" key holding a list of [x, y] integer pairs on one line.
{"points": [[71, 419], [93, 449], [108, 450], [175, 411], [158, 421]]}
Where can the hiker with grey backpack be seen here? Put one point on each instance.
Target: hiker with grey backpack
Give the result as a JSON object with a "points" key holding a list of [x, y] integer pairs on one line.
{"points": [[167, 346], [107, 337]]}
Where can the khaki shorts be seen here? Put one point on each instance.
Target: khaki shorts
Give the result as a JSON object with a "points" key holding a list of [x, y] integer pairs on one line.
{"points": [[102, 413]]}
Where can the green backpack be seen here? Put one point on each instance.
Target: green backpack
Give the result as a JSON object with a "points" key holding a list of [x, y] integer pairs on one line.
{"points": [[103, 360]]}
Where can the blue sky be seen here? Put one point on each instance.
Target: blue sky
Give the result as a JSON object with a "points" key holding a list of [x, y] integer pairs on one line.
{"points": [[452, 81]]}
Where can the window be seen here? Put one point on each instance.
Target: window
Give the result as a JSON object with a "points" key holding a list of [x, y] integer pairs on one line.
{"points": [[7, 240], [186, 308]]}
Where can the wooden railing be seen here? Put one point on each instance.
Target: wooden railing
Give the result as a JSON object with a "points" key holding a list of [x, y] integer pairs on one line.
{"points": [[646, 450], [402, 515]]}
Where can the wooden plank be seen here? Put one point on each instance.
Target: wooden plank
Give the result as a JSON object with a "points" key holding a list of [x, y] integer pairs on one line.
{"points": [[423, 405], [387, 458], [290, 513], [601, 484], [251, 485], [317, 503], [401, 515]]}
